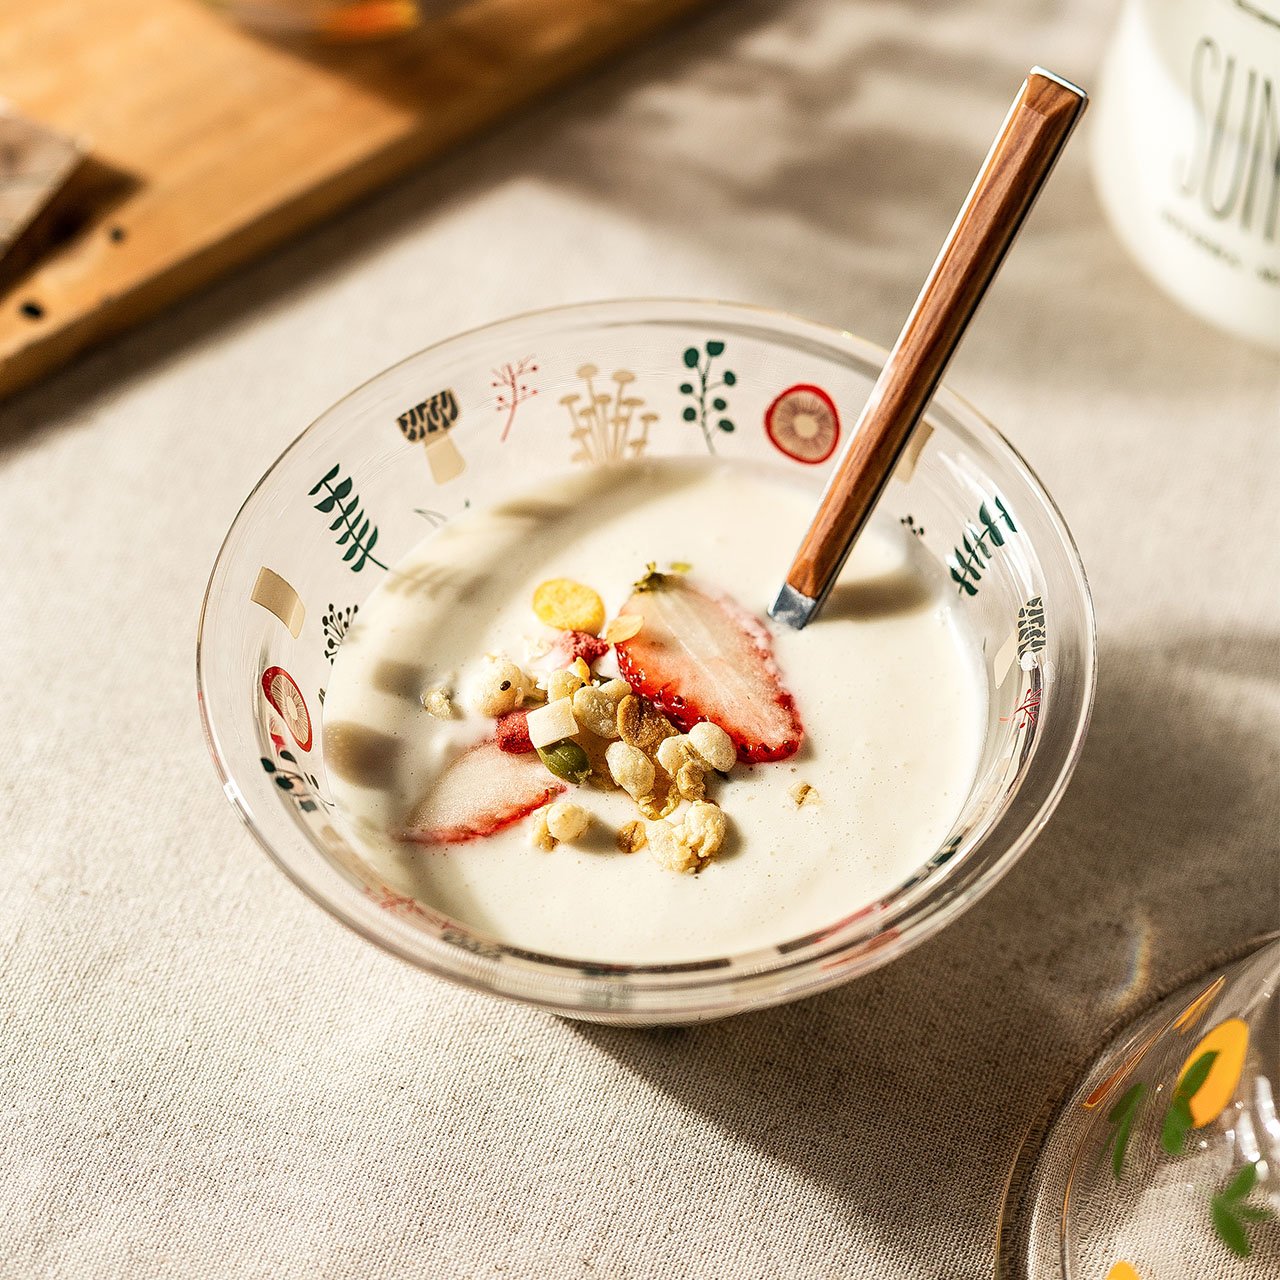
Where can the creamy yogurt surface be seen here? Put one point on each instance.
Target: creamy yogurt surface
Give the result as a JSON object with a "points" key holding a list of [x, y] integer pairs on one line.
{"points": [[888, 684]]}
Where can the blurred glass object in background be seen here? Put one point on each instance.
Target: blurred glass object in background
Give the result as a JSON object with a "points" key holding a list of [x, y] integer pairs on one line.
{"points": [[1186, 151]]}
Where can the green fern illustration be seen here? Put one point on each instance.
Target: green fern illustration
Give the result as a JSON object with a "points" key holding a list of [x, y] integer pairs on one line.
{"points": [[356, 528], [697, 411], [978, 545], [1229, 1212]]}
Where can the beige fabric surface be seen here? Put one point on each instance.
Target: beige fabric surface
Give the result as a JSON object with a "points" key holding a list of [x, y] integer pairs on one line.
{"points": [[202, 1075]]}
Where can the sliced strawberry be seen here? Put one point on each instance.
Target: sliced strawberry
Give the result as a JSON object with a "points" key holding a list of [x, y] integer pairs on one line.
{"points": [[482, 791], [702, 657], [513, 732]]}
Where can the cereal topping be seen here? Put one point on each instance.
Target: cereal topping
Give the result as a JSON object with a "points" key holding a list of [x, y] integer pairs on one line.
{"points": [[601, 732], [688, 845], [540, 832], [641, 724], [596, 710], [631, 769], [802, 793], [564, 684], [568, 605], [632, 837], [691, 781], [499, 686], [704, 829], [436, 702], [566, 820], [714, 745]]}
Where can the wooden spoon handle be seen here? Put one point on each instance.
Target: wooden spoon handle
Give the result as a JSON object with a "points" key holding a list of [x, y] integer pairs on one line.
{"points": [[1021, 158]]}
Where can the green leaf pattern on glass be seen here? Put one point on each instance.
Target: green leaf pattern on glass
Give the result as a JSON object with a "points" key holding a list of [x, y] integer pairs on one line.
{"points": [[1229, 1213], [978, 544], [1122, 1115], [1177, 1121], [704, 404], [358, 534]]}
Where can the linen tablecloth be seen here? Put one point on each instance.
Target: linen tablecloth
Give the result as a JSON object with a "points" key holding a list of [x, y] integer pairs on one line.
{"points": [[203, 1075]]}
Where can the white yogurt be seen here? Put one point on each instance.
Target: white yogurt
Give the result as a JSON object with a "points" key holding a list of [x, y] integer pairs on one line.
{"points": [[887, 683]]}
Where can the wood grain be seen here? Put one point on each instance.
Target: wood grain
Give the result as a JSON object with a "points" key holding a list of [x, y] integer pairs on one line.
{"points": [[1016, 168], [229, 143]]}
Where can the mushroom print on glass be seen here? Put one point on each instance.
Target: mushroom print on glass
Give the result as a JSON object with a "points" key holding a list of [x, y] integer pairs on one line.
{"points": [[431, 422], [803, 423]]}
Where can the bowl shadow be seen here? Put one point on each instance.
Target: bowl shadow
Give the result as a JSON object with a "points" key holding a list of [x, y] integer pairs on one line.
{"points": [[907, 1092]]}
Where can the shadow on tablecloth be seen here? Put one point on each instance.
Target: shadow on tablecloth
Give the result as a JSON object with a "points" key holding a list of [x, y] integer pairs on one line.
{"points": [[907, 1092]]}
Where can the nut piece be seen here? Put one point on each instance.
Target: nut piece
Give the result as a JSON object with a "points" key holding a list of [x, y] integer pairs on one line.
{"points": [[642, 724], [499, 686], [552, 723], [435, 702], [596, 711], [626, 626], [540, 832], [714, 745], [632, 837], [566, 820], [568, 606], [631, 769]]}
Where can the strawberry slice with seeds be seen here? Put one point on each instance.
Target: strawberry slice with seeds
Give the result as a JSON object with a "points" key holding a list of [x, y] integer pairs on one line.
{"points": [[484, 790], [703, 657]]}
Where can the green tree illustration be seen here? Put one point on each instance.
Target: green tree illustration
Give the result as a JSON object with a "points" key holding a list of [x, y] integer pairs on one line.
{"points": [[699, 410]]}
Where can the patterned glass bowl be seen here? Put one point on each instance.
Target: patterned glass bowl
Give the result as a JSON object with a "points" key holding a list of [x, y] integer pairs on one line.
{"points": [[487, 414]]}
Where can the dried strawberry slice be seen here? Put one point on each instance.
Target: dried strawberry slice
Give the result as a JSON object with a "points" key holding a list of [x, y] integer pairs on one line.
{"points": [[484, 790], [578, 644], [702, 657], [513, 732]]}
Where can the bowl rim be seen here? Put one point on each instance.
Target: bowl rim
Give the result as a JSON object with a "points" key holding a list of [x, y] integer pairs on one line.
{"points": [[756, 985]]}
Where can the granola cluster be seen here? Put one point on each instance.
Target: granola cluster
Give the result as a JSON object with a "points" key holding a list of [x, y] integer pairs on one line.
{"points": [[593, 730]]}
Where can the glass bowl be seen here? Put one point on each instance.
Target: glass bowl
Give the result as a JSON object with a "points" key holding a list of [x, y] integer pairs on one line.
{"points": [[495, 410], [1163, 1161]]}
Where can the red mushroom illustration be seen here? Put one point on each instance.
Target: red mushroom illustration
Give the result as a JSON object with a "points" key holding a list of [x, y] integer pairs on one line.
{"points": [[803, 423], [287, 701]]}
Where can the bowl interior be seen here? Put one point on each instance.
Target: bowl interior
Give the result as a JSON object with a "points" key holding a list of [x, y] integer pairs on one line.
{"points": [[489, 413]]}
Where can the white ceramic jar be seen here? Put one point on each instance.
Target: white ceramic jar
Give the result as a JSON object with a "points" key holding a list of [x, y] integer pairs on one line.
{"points": [[1186, 154]]}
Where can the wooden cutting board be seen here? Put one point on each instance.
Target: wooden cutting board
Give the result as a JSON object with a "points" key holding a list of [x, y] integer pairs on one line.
{"points": [[210, 144]]}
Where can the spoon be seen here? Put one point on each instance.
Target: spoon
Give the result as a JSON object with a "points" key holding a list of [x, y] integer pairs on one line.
{"points": [[1020, 160]]}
